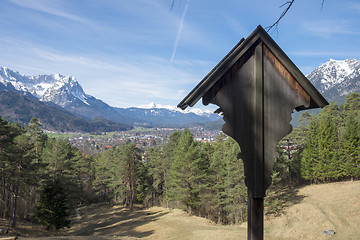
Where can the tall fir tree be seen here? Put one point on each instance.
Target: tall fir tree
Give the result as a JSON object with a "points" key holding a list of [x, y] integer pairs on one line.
{"points": [[187, 174], [52, 208], [350, 140], [310, 156]]}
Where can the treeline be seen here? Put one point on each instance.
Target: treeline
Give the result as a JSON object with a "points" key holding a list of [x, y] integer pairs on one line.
{"points": [[44, 179], [208, 179], [19, 108], [325, 147], [204, 179], [332, 147]]}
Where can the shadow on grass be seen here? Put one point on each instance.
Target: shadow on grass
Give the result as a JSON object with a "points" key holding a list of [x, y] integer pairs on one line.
{"points": [[115, 221], [280, 199]]}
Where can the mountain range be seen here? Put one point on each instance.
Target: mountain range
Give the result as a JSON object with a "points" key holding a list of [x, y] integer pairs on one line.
{"points": [[62, 105], [23, 97], [336, 78]]}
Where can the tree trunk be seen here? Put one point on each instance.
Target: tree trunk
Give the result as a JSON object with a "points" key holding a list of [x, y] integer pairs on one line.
{"points": [[3, 200], [15, 197], [7, 203]]}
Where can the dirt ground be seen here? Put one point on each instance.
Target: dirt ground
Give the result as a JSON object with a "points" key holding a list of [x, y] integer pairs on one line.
{"points": [[316, 208]]}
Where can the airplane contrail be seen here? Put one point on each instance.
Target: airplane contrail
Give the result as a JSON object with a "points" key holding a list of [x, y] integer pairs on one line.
{"points": [[179, 31]]}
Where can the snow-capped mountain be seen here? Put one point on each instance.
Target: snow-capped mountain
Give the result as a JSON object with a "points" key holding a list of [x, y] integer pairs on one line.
{"points": [[337, 78], [55, 88], [196, 111], [66, 92], [160, 116], [334, 79]]}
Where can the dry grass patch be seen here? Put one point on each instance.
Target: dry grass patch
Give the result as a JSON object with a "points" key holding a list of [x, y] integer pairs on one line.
{"points": [[308, 212], [116, 222], [333, 206]]}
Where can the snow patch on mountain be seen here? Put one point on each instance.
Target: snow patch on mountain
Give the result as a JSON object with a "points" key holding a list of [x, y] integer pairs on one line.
{"points": [[334, 72], [51, 88], [337, 78], [196, 111]]}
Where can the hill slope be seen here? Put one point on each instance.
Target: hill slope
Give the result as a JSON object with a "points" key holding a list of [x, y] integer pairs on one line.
{"points": [[333, 206], [21, 108]]}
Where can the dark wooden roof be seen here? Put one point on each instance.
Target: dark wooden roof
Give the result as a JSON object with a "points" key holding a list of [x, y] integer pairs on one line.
{"points": [[317, 100]]}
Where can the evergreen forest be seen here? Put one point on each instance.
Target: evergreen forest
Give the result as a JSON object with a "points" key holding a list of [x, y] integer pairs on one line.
{"points": [[44, 179]]}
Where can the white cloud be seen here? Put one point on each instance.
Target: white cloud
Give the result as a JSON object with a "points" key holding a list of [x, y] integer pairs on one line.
{"points": [[49, 7], [235, 26], [327, 28], [354, 6], [332, 53], [119, 81], [181, 25]]}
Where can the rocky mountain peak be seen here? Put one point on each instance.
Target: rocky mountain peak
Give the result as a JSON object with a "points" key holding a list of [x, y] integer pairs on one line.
{"points": [[54, 88], [337, 78], [334, 72]]}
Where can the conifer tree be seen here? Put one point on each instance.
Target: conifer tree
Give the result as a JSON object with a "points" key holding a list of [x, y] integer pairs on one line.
{"points": [[351, 147], [310, 156], [320, 161], [235, 191], [52, 208], [103, 176], [8, 133], [217, 171], [157, 170], [329, 162], [187, 174], [128, 160], [60, 159], [350, 140]]}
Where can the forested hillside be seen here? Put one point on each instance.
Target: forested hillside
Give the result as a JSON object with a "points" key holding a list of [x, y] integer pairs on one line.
{"points": [[44, 180], [20, 108]]}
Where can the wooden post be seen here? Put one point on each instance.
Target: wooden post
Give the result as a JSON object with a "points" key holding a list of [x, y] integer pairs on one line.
{"points": [[255, 218], [256, 87]]}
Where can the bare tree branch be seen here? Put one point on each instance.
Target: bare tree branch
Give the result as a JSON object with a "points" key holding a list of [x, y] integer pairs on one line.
{"points": [[173, 3], [287, 6], [275, 25]]}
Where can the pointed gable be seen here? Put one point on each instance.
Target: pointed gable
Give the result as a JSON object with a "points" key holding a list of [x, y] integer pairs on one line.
{"points": [[208, 87]]}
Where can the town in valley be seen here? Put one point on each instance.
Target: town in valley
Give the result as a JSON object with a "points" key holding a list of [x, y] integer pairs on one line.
{"points": [[92, 143]]}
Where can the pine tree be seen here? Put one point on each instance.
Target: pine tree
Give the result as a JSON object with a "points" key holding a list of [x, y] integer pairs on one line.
{"points": [[350, 140], [52, 209], [310, 156], [157, 170], [217, 171], [105, 173], [11, 164], [235, 191], [37, 137], [127, 158], [320, 161], [329, 167], [187, 174], [61, 160], [351, 147], [8, 133]]}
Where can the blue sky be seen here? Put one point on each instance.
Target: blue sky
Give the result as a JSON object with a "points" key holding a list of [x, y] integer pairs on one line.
{"points": [[131, 53]]}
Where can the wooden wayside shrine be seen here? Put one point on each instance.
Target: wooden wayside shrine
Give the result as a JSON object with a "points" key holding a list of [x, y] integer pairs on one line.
{"points": [[257, 87]]}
